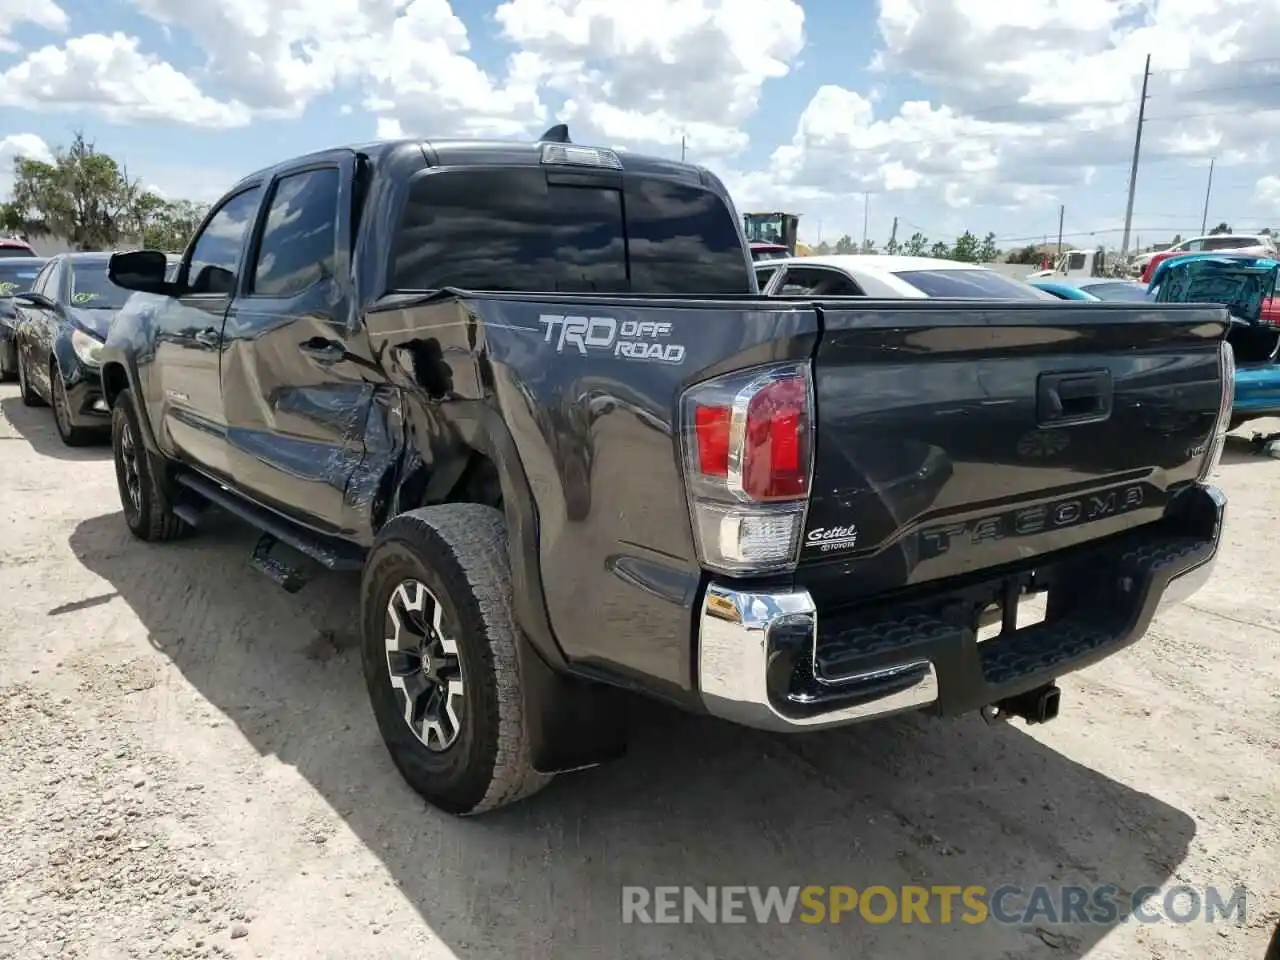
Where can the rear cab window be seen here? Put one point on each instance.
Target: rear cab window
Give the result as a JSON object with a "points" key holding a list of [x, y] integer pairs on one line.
{"points": [[982, 284], [1231, 243], [508, 229]]}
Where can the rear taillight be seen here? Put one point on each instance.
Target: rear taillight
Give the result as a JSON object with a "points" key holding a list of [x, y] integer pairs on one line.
{"points": [[1218, 439], [747, 442]]}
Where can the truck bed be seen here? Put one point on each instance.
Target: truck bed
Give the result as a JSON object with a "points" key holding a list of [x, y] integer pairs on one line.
{"points": [[941, 451]]}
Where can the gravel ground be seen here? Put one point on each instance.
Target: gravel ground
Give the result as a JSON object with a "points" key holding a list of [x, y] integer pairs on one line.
{"points": [[189, 768]]}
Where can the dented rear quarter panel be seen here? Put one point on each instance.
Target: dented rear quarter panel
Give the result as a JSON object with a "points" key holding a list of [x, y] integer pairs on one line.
{"points": [[595, 435]]}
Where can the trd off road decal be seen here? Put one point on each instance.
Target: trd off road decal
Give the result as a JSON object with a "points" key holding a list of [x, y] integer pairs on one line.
{"points": [[629, 339]]}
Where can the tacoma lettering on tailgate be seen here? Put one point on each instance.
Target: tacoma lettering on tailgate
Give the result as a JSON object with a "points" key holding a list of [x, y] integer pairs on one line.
{"points": [[1028, 521]]}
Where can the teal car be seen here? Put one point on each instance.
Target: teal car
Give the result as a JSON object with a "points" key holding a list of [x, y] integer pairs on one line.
{"points": [[1093, 289], [1245, 285]]}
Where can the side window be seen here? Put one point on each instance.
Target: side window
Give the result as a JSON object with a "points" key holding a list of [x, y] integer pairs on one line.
{"points": [[41, 282], [763, 276], [217, 248], [1194, 245], [299, 236], [811, 282]]}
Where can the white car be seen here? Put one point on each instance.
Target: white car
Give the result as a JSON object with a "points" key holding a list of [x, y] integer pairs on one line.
{"points": [[1255, 243], [888, 277]]}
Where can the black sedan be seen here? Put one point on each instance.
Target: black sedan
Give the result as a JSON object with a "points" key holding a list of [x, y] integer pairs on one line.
{"points": [[16, 276], [62, 321]]}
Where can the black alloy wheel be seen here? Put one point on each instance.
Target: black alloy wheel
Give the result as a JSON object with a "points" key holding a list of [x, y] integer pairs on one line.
{"points": [[423, 666]]}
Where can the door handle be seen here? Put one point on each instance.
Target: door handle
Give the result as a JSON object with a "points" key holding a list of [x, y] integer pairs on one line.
{"points": [[1083, 396], [209, 337], [323, 350]]}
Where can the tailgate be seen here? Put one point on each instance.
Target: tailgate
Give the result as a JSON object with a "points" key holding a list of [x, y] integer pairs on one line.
{"points": [[953, 437]]}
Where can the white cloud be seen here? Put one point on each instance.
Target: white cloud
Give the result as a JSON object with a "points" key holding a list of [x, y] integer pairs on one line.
{"points": [[1267, 194], [26, 145], [1031, 126], [40, 13], [111, 76], [1016, 107], [653, 72]]}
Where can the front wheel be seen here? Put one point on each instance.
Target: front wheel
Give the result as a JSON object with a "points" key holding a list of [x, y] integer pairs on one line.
{"points": [[71, 435], [439, 649], [147, 512], [29, 397]]}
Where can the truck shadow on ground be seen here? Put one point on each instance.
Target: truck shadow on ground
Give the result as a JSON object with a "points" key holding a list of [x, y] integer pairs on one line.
{"points": [[697, 802], [35, 425]]}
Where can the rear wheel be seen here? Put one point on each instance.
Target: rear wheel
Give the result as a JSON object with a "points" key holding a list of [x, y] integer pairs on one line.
{"points": [[439, 648], [71, 435], [147, 510], [8, 360]]}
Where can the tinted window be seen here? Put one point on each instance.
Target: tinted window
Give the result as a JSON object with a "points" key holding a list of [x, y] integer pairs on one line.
{"points": [[217, 249], [90, 288], [17, 278], [41, 282], [6, 252], [983, 284], [297, 247], [1117, 291], [1075, 261], [810, 281], [764, 275], [511, 230], [683, 240], [1230, 243]]}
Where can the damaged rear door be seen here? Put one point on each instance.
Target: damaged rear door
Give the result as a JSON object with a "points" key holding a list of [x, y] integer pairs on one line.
{"points": [[293, 374]]}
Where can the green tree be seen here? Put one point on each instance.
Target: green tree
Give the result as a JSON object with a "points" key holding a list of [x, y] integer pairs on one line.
{"points": [[941, 251], [916, 245], [1220, 228], [1177, 239], [966, 248], [846, 245], [868, 246], [893, 246], [1028, 255], [988, 251], [89, 199], [822, 249]]}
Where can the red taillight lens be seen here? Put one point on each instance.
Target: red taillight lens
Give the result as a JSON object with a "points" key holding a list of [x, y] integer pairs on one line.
{"points": [[711, 428], [746, 439], [775, 464]]}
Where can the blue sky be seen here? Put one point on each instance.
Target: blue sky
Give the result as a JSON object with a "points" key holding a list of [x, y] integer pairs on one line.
{"points": [[901, 99]]}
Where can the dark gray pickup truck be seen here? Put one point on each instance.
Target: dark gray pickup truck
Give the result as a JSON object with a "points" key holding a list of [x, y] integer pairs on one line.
{"points": [[531, 391]]}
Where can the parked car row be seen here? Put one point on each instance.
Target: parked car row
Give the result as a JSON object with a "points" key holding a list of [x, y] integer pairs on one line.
{"points": [[54, 317]]}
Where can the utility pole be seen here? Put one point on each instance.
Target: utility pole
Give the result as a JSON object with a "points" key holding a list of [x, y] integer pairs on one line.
{"points": [[1204, 220], [866, 211], [1062, 214], [1137, 149], [682, 145], [893, 234]]}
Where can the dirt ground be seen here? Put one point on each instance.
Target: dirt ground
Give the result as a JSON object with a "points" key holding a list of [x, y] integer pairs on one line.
{"points": [[189, 768]]}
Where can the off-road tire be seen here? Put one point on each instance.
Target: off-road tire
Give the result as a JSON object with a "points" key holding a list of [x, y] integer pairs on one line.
{"points": [[459, 552], [29, 397], [154, 520], [69, 434]]}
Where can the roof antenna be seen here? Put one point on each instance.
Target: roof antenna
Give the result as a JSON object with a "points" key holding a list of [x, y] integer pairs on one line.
{"points": [[557, 134]]}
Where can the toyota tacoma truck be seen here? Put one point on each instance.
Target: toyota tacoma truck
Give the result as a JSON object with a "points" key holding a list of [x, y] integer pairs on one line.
{"points": [[532, 393]]}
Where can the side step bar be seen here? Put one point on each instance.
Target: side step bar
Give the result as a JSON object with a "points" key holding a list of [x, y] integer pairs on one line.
{"points": [[331, 553]]}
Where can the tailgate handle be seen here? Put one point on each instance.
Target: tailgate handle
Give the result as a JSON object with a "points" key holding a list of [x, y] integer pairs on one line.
{"points": [[1082, 396]]}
